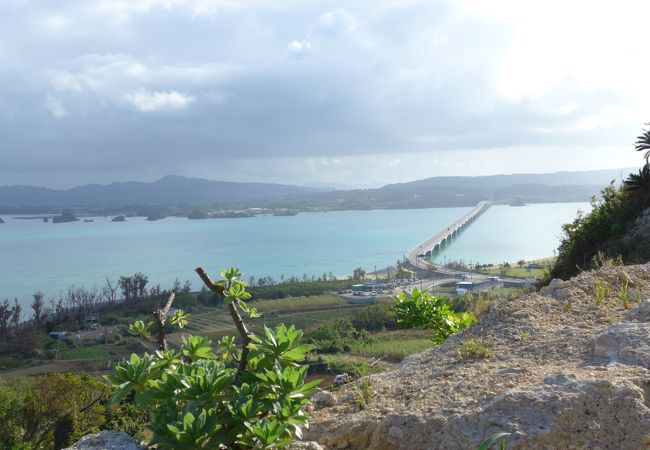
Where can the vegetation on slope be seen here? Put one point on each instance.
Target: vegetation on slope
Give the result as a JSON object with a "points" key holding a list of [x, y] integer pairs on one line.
{"points": [[617, 228]]}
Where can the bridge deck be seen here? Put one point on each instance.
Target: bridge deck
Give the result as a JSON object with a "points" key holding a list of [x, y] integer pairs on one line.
{"points": [[414, 256]]}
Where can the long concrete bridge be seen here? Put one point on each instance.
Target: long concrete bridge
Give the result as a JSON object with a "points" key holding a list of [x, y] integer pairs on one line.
{"points": [[417, 256]]}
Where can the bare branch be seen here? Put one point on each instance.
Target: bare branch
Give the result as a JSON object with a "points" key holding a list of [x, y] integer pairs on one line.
{"points": [[234, 314], [160, 316]]}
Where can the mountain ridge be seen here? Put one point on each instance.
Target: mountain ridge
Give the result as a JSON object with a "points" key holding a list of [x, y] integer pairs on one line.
{"points": [[428, 192]]}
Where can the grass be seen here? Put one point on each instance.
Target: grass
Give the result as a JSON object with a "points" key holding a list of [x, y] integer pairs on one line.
{"points": [[475, 348], [93, 351], [394, 346], [299, 303], [219, 325], [362, 389], [479, 304], [523, 336], [601, 291], [624, 295], [347, 363], [518, 272]]}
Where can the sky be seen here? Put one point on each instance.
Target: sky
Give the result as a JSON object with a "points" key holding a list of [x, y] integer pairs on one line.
{"points": [[325, 93]]}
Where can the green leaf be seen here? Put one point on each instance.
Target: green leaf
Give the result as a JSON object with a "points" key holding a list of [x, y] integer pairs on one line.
{"points": [[496, 437]]}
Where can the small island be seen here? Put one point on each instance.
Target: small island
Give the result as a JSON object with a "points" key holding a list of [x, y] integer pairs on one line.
{"points": [[197, 215], [119, 218], [66, 216], [285, 212], [231, 214], [1, 221]]}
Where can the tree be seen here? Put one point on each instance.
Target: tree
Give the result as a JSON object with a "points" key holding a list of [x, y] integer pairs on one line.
{"points": [[521, 263], [5, 320], [639, 182], [359, 274], [642, 144], [140, 281], [400, 272], [126, 286], [15, 315], [134, 287], [109, 291], [38, 305]]}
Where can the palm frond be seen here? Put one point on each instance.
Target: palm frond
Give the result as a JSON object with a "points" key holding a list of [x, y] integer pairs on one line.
{"points": [[639, 182], [642, 144]]}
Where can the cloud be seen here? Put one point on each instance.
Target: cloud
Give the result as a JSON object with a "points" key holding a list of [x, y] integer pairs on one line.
{"points": [[291, 80], [55, 106], [122, 11], [146, 101], [300, 46], [338, 19]]}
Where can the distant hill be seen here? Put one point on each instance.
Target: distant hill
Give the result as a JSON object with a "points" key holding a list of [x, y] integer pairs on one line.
{"points": [[591, 177], [171, 189], [430, 192], [465, 191]]}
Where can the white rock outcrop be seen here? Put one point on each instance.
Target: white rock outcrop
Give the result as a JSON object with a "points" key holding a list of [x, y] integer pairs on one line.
{"points": [[107, 440], [625, 343], [567, 372]]}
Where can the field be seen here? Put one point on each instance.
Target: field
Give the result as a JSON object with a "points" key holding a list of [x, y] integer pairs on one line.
{"points": [[94, 351], [517, 272], [307, 313], [299, 303], [393, 346]]}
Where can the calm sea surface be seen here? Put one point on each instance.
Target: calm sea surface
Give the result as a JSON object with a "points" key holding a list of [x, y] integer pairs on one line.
{"points": [[49, 257]]}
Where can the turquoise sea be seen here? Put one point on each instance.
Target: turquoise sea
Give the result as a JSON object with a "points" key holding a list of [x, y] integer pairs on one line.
{"points": [[49, 257]]}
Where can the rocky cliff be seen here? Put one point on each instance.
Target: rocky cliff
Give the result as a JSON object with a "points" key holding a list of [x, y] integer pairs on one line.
{"points": [[568, 369]]}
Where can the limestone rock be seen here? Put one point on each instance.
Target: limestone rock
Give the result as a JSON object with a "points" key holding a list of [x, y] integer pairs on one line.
{"points": [[625, 343], [305, 445], [559, 378], [107, 440], [323, 399], [640, 313], [556, 283]]}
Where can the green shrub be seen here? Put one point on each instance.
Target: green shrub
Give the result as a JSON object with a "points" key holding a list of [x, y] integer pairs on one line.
{"points": [[53, 411], [376, 318], [205, 396], [337, 336], [422, 310]]}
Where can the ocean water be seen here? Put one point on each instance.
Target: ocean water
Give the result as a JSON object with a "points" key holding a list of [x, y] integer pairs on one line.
{"points": [[50, 257]]}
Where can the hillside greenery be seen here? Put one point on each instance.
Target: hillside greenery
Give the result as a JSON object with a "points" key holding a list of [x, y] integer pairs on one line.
{"points": [[604, 234], [53, 411]]}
